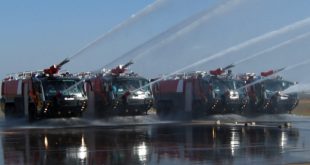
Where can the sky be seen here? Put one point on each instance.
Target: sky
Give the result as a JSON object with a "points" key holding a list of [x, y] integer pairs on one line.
{"points": [[36, 34], [160, 36]]}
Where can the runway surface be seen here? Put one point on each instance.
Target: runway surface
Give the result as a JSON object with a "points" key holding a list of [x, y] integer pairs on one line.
{"points": [[218, 139]]}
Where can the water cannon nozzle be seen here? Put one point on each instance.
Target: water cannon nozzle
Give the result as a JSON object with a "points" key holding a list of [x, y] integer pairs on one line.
{"points": [[121, 68], [228, 67], [128, 64], [271, 72], [66, 60]]}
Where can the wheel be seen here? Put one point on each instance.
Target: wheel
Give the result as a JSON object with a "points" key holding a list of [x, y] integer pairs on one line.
{"points": [[32, 116], [2, 104], [9, 111], [78, 114], [161, 109], [145, 112], [98, 109], [197, 109]]}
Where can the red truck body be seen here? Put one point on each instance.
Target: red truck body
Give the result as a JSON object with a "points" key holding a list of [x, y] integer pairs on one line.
{"points": [[181, 97], [35, 95], [110, 94], [196, 94]]}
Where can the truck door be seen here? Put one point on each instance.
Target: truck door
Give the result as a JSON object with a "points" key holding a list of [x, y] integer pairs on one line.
{"points": [[39, 94]]}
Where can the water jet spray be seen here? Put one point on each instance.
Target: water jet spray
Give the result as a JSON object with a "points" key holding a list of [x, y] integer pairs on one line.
{"points": [[238, 47]]}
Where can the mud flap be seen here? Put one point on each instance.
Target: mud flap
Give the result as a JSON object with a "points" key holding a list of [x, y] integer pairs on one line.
{"points": [[26, 101], [90, 104], [188, 100], [2, 104]]}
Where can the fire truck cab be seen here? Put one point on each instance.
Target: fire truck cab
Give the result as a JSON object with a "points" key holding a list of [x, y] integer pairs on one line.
{"points": [[266, 93], [199, 93], [116, 92], [39, 95], [281, 102], [226, 95], [267, 96]]}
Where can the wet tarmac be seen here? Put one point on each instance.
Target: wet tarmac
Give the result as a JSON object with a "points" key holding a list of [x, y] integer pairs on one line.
{"points": [[148, 140]]}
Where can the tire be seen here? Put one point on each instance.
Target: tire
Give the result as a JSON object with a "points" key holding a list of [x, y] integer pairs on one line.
{"points": [[78, 114], [32, 113], [9, 111], [146, 112], [166, 110], [98, 110], [197, 109], [160, 109], [19, 107], [2, 104]]}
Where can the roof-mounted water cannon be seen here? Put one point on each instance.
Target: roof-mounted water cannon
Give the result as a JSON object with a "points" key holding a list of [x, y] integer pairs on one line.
{"points": [[121, 69], [54, 69], [271, 72], [220, 71]]}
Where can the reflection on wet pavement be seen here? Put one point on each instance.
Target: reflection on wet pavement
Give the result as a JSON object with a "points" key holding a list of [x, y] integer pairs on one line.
{"points": [[163, 144]]}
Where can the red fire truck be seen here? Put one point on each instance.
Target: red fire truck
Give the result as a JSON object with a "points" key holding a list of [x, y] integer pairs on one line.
{"points": [[199, 93], [266, 93], [110, 93], [40, 94]]}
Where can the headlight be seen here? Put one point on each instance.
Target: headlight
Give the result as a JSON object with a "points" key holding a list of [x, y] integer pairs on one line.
{"points": [[283, 96], [79, 95], [233, 95]]}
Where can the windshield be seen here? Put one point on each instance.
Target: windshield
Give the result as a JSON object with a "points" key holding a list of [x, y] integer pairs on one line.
{"points": [[51, 87], [124, 85], [221, 86], [278, 85], [234, 84]]}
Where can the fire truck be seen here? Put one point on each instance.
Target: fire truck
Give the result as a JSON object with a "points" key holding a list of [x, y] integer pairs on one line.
{"points": [[226, 94], [267, 95], [111, 92], [40, 94], [199, 93]]}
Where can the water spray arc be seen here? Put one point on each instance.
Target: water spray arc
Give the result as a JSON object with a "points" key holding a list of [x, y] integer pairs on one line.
{"points": [[170, 34], [150, 8], [277, 46], [274, 72], [270, 49], [238, 47], [180, 29], [145, 11], [135, 17], [298, 88]]}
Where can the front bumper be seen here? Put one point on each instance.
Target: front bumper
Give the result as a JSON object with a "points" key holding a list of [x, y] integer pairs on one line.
{"points": [[133, 105], [63, 108]]}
